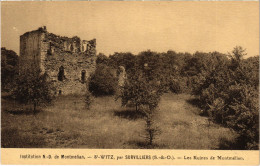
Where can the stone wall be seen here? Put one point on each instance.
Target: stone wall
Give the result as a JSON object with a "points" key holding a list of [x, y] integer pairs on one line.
{"points": [[74, 65], [30, 51], [67, 61], [73, 45]]}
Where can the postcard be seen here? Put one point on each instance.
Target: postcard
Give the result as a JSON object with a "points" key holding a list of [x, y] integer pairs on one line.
{"points": [[130, 83]]}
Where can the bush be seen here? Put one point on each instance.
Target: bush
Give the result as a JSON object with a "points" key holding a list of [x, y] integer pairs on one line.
{"points": [[175, 86], [103, 81]]}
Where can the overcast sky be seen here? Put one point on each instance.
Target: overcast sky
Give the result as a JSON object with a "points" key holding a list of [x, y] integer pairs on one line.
{"points": [[138, 26]]}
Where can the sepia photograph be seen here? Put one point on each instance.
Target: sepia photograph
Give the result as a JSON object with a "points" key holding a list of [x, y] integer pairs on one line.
{"points": [[130, 75]]}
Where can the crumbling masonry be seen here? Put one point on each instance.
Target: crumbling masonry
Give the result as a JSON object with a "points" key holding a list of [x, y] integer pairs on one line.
{"points": [[68, 62]]}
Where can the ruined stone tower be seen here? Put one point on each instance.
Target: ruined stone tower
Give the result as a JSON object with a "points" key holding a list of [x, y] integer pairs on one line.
{"points": [[68, 62]]}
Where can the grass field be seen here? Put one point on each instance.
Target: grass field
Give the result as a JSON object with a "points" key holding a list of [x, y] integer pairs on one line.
{"points": [[66, 123]]}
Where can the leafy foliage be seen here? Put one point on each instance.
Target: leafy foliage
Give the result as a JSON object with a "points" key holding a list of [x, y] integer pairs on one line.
{"points": [[33, 88], [231, 98], [102, 59], [140, 90], [103, 81], [127, 60], [9, 63], [144, 93]]}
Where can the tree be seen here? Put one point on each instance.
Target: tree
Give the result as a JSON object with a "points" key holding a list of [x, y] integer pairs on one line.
{"points": [[230, 93], [32, 87], [9, 61], [238, 53], [126, 60], [102, 59], [145, 95]]}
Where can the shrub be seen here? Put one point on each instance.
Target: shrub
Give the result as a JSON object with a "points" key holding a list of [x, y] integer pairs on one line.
{"points": [[179, 85], [175, 86], [103, 81]]}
